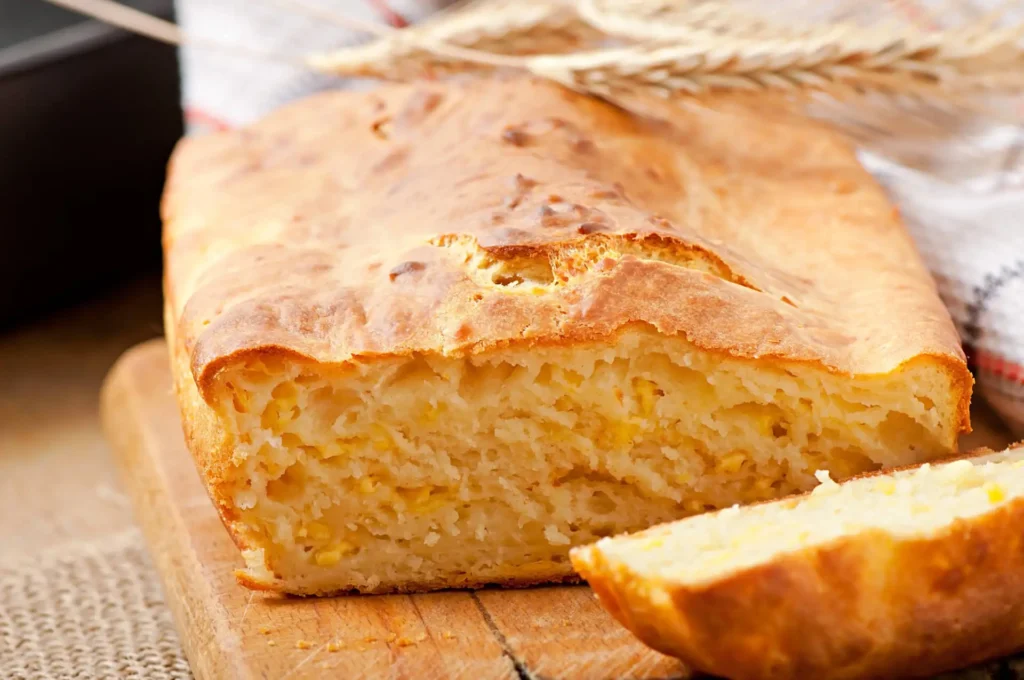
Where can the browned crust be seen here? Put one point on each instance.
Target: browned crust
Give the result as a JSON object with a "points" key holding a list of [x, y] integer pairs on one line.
{"points": [[204, 435], [268, 244], [277, 243], [963, 386], [867, 605]]}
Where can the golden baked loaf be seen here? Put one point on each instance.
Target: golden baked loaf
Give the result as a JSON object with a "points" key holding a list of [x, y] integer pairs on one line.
{"points": [[902, 574], [434, 335]]}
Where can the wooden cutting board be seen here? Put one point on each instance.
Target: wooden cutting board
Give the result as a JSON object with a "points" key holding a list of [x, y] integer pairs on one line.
{"points": [[230, 632]]}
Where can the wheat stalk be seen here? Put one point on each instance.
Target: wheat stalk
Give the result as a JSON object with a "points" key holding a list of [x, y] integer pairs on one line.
{"points": [[511, 27], [837, 59], [691, 48]]}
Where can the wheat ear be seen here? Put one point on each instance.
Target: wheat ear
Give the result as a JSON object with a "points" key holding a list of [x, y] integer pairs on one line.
{"points": [[710, 47], [837, 60], [513, 27], [922, 63]]}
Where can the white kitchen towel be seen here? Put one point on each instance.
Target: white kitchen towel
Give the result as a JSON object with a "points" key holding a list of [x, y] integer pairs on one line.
{"points": [[222, 90], [963, 199]]}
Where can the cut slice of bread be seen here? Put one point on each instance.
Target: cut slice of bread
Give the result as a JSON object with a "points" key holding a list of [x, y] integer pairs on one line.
{"points": [[902, 574]]}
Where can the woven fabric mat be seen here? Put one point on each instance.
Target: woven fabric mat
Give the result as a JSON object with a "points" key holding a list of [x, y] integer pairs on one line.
{"points": [[79, 597], [87, 610]]}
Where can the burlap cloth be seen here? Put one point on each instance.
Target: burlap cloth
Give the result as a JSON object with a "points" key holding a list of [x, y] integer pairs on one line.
{"points": [[87, 610], [79, 597]]}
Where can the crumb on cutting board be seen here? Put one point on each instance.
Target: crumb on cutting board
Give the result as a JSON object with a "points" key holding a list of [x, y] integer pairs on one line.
{"points": [[405, 642], [448, 635], [303, 644], [265, 630], [333, 646]]}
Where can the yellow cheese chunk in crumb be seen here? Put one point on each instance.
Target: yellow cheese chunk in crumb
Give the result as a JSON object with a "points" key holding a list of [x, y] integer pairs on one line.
{"points": [[886, 485], [645, 394], [732, 463], [429, 414], [331, 555], [319, 531], [995, 492], [381, 440], [622, 434]]}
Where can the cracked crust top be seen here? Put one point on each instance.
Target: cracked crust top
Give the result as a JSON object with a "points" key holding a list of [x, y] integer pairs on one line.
{"points": [[454, 217]]}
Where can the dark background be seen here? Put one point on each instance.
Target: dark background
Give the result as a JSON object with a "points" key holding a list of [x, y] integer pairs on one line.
{"points": [[88, 117]]}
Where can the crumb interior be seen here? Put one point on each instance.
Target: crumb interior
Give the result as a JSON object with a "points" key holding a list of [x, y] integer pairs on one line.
{"points": [[904, 504], [428, 467]]}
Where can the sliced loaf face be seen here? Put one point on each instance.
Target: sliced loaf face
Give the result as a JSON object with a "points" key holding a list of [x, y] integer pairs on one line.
{"points": [[436, 335], [901, 574], [488, 468]]}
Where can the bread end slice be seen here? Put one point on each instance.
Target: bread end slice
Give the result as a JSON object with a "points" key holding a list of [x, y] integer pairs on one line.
{"points": [[901, 574]]}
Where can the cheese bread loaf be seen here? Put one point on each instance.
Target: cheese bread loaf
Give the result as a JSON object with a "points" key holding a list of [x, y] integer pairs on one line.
{"points": [[433, 335], [903, 574]]}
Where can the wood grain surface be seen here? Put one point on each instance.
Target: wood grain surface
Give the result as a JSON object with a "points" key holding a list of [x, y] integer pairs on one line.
{"points": [[230, 632]]}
